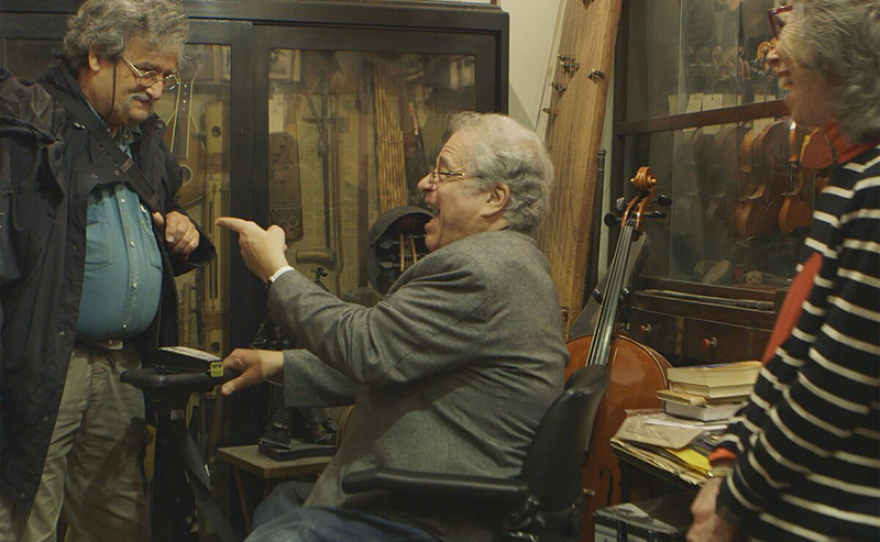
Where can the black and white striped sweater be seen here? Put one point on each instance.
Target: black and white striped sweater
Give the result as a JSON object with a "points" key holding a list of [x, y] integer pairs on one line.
{"points": [[808, 441]]}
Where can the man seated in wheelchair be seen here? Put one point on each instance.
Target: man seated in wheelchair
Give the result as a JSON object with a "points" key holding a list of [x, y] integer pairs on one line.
{"points": [[450, 373]]}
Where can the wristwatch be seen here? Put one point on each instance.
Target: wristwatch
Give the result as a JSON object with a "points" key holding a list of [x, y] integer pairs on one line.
{"points": [[720, 472]]}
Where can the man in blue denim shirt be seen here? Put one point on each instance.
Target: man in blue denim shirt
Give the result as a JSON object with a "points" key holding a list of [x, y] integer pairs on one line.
{"points": [[86, 274]]}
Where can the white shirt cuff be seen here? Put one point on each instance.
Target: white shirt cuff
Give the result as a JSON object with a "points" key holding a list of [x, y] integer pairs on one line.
{"points": [[278, 273]]}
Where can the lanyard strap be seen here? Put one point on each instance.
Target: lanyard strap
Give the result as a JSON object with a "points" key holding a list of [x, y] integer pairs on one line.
{"points": [[132, 174]]}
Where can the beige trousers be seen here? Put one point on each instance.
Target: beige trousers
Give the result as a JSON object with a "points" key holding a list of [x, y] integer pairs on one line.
{"points": [[92, 468]]}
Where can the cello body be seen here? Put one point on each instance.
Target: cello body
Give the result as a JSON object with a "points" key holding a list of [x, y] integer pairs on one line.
{"points": [[635, 374]]}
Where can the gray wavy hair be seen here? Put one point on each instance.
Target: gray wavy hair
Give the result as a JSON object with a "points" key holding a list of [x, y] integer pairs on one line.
{"points": [[840, 39], [105, 26], [506, 152]]}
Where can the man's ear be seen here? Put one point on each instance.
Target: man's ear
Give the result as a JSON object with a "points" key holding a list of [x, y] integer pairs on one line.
{"points": [[496, 199], [94, 61]]}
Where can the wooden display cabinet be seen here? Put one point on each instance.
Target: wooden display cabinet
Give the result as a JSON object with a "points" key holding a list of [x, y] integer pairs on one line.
{"points": [[697, 100], [300, 113]]}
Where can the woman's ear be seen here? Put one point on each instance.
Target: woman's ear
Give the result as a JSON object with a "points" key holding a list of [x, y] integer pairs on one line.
{"points": [[94, 61]]}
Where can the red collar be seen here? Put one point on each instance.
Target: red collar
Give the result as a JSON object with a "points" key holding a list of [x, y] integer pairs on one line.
{"points": [[843, 149]]}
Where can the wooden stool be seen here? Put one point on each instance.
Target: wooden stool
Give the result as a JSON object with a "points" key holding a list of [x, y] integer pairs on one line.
{"points": [[248, 459]]}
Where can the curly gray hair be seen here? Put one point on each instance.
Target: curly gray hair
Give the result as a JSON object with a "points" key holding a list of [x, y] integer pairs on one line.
{"points": [[840, 39], [105, 26], [506, 152]]}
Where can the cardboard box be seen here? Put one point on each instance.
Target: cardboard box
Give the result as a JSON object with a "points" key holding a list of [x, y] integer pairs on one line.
{"points": [[664, 519]]}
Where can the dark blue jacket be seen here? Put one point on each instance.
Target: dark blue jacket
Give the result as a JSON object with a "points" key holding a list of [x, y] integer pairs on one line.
{"points": [[48, 166]]}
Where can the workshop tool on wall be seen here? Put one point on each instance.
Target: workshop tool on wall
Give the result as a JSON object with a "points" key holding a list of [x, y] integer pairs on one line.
{"points": [[390, 157], [216, 190], [184, 139], [415, 157], [327, 124], [285, 193]]}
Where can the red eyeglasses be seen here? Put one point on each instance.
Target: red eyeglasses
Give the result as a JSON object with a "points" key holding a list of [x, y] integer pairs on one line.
{"points": [[777, 23]]}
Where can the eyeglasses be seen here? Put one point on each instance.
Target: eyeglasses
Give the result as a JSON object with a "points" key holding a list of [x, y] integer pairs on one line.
{"points": [[777, 23], [446, 176], [150, 78]]}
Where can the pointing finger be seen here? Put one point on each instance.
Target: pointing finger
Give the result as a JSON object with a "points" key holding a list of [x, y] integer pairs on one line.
{"points": [[231, 223]]}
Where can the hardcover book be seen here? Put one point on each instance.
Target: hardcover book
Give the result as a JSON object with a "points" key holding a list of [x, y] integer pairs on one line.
{"points": [[685, 398], [723, 411], [714, 391], [724, 374]]}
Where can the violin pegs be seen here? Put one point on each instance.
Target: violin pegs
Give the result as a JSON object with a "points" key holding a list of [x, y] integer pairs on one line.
{"points": [[664, 201], [597, 295], [657, 214], [620, 204], [611, 220]]}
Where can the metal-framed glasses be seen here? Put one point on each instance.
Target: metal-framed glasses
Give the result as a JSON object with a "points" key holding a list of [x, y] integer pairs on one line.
{"points": [[777, 23], [439, 177], [150, 78]]}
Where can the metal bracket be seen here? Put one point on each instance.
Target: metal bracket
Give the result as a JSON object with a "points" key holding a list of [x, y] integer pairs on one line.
{"points": [[559, 87], [596, 75], [569, 63]]}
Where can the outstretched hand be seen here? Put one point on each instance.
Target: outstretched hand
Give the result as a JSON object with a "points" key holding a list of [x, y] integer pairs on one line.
{"points": [[263, 251], [255, 366]]}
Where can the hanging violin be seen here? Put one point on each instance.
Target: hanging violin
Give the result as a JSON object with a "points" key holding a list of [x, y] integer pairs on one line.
{"points": [[758, 213], [795, 214]]}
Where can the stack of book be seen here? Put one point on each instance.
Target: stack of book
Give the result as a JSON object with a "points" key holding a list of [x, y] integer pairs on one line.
{"points": [[709, 392]]}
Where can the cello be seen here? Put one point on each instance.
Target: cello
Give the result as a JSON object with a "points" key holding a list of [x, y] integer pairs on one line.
{"points": [[635, 371]]}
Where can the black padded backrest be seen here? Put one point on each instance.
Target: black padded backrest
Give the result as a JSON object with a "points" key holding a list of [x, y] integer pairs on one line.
{"points": [[555, 458]]}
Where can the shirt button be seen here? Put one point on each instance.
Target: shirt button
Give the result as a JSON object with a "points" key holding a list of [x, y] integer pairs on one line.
{"points": [[124, 326], [134, 285], [116, 172], [94, 175], [121, 200], [131, 243], [61, 334]]}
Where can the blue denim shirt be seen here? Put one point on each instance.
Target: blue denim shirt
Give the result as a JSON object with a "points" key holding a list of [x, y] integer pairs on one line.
{"points": [[123, 275]]}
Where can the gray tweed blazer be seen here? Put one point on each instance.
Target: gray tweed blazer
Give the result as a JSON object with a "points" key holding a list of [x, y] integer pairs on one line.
{"points": [[450, 373]]}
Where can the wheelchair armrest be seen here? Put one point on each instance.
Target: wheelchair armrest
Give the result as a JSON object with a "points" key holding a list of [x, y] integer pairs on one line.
{"points": [[417, 484], [149, 379]]}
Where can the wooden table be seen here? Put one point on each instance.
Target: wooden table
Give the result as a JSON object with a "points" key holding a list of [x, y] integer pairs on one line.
{"points": [[248, 459]]}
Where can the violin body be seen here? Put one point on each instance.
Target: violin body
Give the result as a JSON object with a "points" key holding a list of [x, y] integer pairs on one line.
{"points": [[758, 212], [635, 373], [795, 214]]}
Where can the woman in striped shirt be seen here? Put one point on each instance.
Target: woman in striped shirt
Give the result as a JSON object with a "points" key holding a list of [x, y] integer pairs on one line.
{"points": [[802, 462]]}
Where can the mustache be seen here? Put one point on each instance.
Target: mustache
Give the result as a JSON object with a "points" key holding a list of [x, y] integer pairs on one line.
{"points": [[144, 97]]}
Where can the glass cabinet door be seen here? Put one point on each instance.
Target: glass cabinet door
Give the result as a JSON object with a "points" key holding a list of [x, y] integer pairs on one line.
{"points": [[740, 189], [197, 116], [353, 124], [350, 136], [741, 202]]}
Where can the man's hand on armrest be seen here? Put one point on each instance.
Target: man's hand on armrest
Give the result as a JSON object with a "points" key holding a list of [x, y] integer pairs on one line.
{"points": [[255, 366]]}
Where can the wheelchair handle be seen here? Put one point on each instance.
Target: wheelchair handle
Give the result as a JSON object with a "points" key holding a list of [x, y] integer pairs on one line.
{"points": [[156, 379]]}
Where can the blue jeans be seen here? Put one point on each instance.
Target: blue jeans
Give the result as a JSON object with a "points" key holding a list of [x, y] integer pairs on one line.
{"points": [[282, 518]]}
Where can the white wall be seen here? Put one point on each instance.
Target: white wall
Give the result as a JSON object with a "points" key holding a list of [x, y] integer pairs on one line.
{"points": [[533, 39]]}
